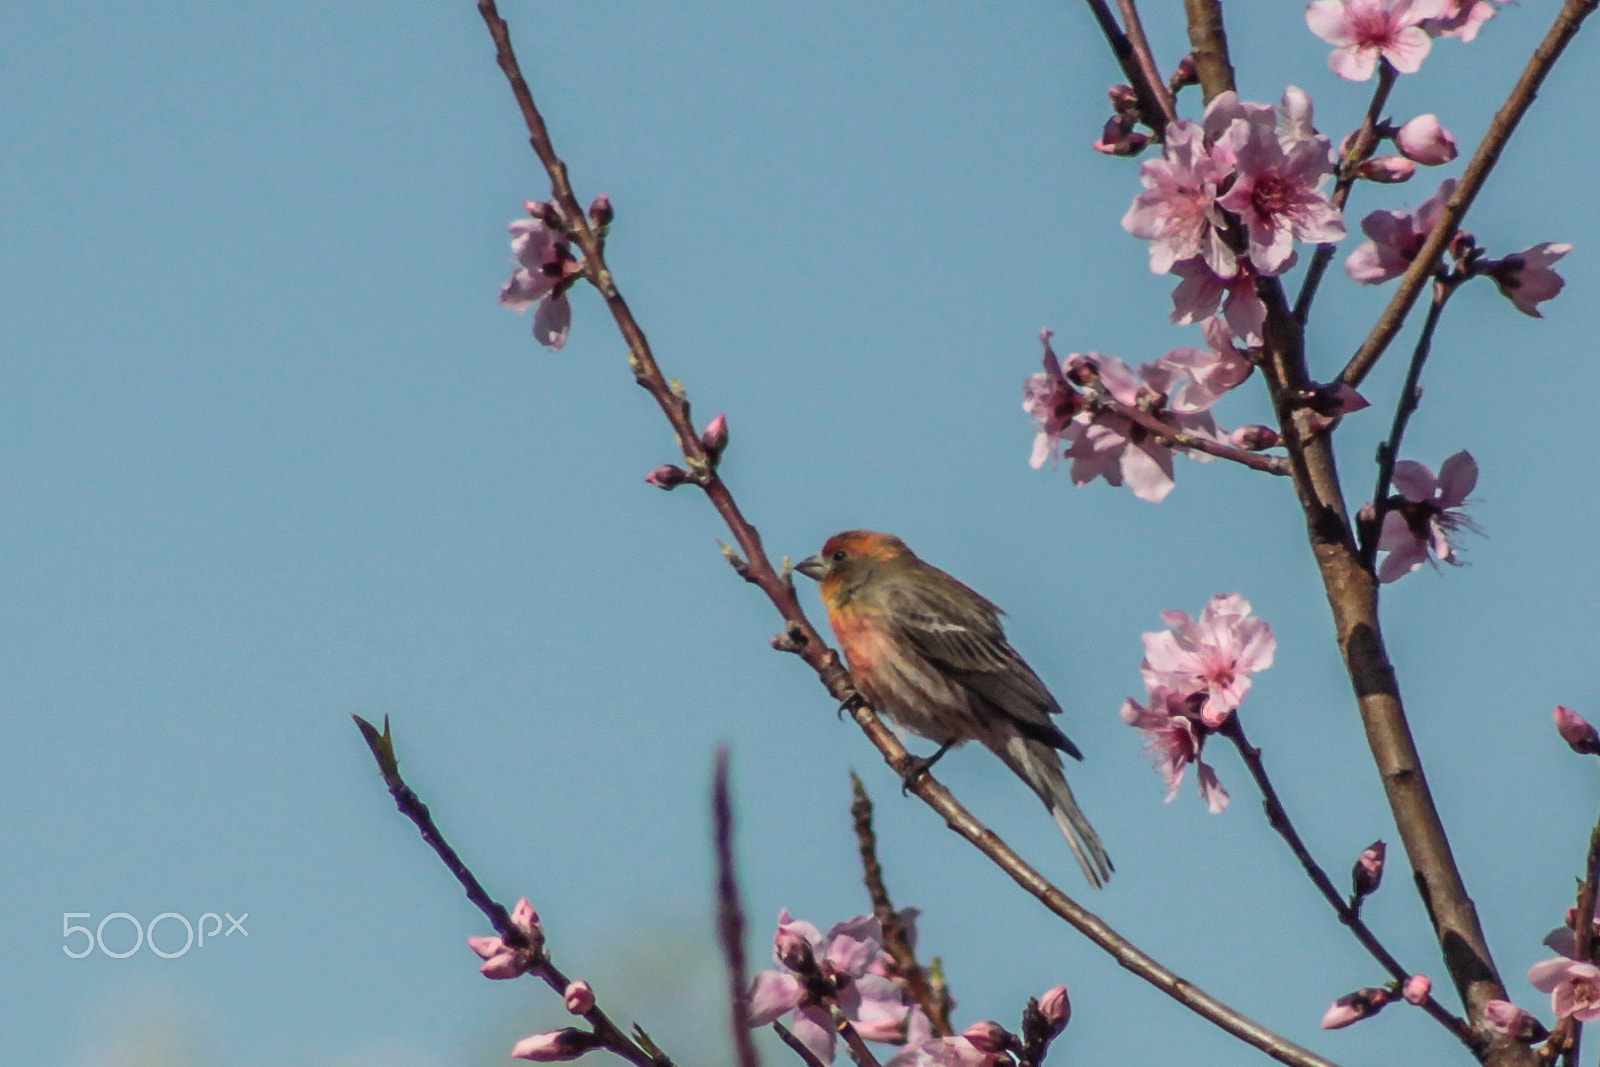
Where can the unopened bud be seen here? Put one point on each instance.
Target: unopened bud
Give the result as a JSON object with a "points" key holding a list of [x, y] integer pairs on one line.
{"points": [[545, 212], [1124, 101], [1504, 1017], [1387, 170], [1353, 1007], [524, 918], [1185, 74], [714, 438], [579, 997], [1425, 141], [1417, 989], [989, 1037], [1337, 398], [1368, 871], [793, 950], [1463, 245], [601, 212], [1056, 1009], [1254, 438], [1577, 732], [1119, 138], [555, 1046], [667, 476]]}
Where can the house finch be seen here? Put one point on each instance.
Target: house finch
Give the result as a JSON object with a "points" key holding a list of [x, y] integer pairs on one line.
{"points": [[931, 655]]}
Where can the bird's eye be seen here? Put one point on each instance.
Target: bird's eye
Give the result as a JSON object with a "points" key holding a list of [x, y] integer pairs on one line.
{"points": [[839, 555]]}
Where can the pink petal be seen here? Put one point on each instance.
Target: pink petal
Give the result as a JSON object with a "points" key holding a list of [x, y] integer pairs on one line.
{"points": [[773, 994], [1415, 482]]}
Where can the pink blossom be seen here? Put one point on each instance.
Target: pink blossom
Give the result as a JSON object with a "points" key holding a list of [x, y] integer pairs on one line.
{"points": [[1056, 1007], [1574, 987], [502, 960], [1387, 170], [1526, 278], [1424, 141], [555, 1046], [1577, 731], [1176, 213], [1504, 1017], [545, 259], [1425, 514], [1110, 446], [1396, 237], [1461, 19], [1197, 295], [843, 958], [1365, 30], [1277, 193], [1417, 989], [1214, 656], [1211, 371], [1052, 401], [1353, 1007], [1174, 738]]}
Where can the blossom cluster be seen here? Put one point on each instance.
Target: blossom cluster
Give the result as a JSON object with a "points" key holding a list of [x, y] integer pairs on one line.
{"points": [[1399, 32], [1196, 674], [1421, 520]]}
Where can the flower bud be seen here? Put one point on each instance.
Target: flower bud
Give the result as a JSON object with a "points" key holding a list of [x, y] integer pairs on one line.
{"points": [[988, 1037], [1082, 369], [793, 950], [1387, 170], [667, 476], [1504, 1017], [1056, 1009], [1577, 732], [1368, 871], [1424, 141], [714, 438], [547, 213], [1353, 1007], [555, 1046], [1417, 989], [1124, 101], [601, 212], [1254, 438], [1184, 74], [1119, 138], [1337, 398], [579, 997]]}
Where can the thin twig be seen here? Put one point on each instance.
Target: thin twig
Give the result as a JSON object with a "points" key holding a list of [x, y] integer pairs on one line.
{"points": [[859, 1052], [1366, 140], [412, 807], [1171, 435], [730, 915], [1405, 405], [1156, 108], [797, 1045], [895, 939], [1561, 32], [1278, 819], [1149, 69]]}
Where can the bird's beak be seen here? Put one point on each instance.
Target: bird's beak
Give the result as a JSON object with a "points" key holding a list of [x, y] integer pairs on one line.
{"points": [[811, 568]]}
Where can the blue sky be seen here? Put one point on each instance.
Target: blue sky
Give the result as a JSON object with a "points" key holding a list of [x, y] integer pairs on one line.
{"points": [[272, 455]]}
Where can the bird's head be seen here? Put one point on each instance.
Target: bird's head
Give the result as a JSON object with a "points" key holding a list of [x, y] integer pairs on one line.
{"points": [[850, 557]]}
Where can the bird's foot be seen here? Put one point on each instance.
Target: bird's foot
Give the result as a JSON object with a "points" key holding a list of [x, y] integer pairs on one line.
{"points": [[851, 703], [915, 767]]}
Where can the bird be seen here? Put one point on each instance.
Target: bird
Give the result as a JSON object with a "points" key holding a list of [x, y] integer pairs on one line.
{"points": [[931, 654]]}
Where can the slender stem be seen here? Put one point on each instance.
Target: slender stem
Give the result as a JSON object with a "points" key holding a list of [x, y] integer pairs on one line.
{"points": [[1177, 438], [1278, 819], [1208, 42], [412, 807], [895, 939], [1156, 107], [859, 1052], [1149, 69], [1561, 32], [1405, 406], [1584, 927], [730, 915], [797, 1045], [1366, 140]]}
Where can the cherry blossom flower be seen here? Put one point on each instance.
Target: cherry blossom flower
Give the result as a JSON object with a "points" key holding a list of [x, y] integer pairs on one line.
{"points": [[1425, 514], [1176, 213], [1526, 278], [1201, 290], [1363, 31], [1577, 732], [1174, 738], [1396, 237], [508, 961], [1423, 140], [1052, 401], [1573, 985], [1277, 193], [843, 958], [544, 258], [1460, 19], [1214, 656]]}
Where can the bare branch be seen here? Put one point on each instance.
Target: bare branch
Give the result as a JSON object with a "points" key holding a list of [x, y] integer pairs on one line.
{"points": [[730, 915]]}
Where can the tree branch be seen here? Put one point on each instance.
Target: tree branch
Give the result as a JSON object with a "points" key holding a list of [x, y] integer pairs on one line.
{"points": [[730, 915], [1156, 107], [1208, 42]]}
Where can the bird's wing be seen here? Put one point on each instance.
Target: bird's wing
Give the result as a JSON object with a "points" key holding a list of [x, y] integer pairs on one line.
{"points": [[960, 632]]}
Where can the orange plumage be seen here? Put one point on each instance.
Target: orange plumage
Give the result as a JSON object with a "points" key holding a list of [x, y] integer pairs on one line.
{"points": [[931, 654]]}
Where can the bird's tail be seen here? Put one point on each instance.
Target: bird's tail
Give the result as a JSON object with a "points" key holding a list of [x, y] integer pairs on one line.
{"points": [[1040, 766]]}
